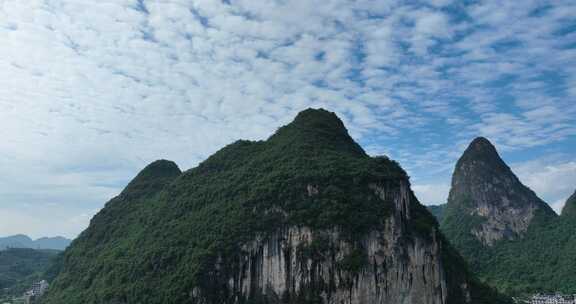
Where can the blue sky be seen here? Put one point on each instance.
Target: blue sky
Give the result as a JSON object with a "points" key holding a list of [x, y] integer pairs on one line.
{"points": [[93, 91]]}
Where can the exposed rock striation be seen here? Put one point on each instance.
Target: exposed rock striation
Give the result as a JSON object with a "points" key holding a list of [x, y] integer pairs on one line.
{"points": [[381, 267]]}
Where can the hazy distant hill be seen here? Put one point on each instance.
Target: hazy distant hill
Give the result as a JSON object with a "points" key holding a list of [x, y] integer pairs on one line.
{"points": [[24, 241]]}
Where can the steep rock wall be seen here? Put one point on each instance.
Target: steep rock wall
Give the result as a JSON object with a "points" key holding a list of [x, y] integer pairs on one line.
{"points": [[296, 264]]}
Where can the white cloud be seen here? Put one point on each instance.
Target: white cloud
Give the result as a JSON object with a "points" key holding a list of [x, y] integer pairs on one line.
{"points": [[432, 194], [557, 206], [429, 26], [92, 91], [41, 221], [534, 128], [440, 3], [552, 179]]}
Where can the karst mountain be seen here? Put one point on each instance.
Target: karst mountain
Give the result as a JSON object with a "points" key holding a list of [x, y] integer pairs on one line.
{"points": [[511, 238], [305, 216]]}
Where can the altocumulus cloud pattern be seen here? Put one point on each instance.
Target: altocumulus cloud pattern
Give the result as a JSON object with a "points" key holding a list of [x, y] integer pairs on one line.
{"points": [[90, 91]]}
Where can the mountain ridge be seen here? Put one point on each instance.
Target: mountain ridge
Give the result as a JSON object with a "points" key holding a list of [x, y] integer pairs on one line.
{"points": [[273, 221], [24, 241]]}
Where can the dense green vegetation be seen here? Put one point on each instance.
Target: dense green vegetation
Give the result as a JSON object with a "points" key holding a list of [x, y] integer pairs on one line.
{"points": [[163, 235], [20, 267], [457, 225], [437, 211], [457, 267], [544, 261], [524, 266]]}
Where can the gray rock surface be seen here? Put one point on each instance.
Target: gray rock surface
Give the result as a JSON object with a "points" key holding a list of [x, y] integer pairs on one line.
{"points": [[397, 268], [485, 188]]}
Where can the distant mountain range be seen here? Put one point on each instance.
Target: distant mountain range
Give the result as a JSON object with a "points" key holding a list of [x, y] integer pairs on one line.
{"points": [[24, 241]]}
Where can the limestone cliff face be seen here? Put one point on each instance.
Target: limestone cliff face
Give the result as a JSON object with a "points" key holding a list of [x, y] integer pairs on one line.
{"points": [[485, 189], [389, 265]]}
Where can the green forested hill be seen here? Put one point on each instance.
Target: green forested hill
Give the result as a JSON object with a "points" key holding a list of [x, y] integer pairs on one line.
{"points": [[166, 238], [544, 261], [20, 266]]}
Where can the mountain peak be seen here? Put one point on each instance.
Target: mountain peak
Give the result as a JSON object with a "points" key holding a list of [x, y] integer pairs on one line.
{"points": [[319, 120], [317, 129], [483, 186], [161, 166], [483, 144], [482, 150], [308, 199], [153, 177], [312, 116]]}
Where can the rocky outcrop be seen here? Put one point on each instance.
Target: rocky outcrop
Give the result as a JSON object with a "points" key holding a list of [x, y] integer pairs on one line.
{"points": [[277, 268], [511, 239], [502, 222], [385, 266], [486, 190]]}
